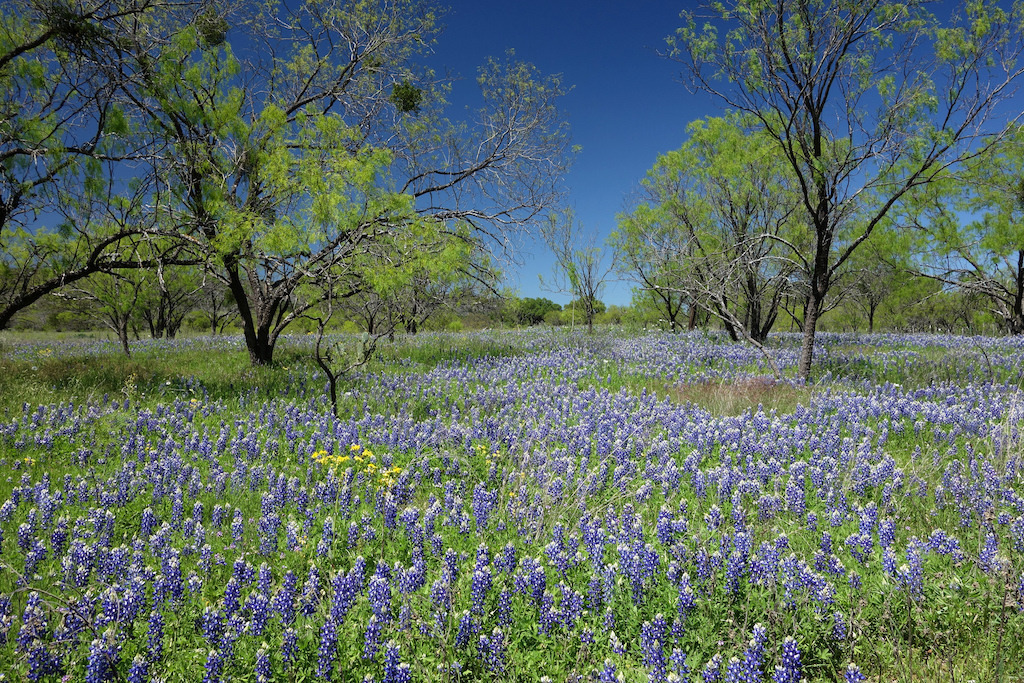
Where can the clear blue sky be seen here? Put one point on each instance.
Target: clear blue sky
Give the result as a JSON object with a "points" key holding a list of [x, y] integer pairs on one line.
{"points": [[626, 107]]}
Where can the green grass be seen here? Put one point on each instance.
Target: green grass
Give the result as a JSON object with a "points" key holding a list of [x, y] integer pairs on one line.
{"points": [[966, 627]]}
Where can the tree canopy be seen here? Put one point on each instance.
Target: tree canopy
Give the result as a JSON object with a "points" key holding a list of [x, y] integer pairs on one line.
{"points": [[865, 101], [298, 152]]}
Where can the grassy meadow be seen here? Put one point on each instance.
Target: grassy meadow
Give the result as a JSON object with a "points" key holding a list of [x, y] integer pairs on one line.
{"points": [[513, 506]]}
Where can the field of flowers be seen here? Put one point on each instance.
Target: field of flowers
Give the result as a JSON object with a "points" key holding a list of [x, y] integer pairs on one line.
{"points": [[514, 506]]}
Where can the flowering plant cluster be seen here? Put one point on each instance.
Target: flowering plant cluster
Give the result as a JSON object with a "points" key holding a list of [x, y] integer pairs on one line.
{"points": [[535, 514]]}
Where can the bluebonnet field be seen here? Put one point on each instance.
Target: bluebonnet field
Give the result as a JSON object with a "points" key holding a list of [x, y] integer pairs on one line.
{"points": [[513, 506]]}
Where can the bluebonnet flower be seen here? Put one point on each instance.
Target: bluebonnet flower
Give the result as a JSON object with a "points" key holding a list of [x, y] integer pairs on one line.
{"points": [[155, 636], [259, 611], [394, 670], [492, 651], [232, 596], [148, 523], [506, 559], [615, 644], [237, 528], [483, 504], [736, 672], [547, 617], [734, 567], [262, 667], [889, 561], [326, 537], [327, 650], [212, 624], [310, 593], [640, 565], [987, 557], [853, 674], [686, 604], [796, 497], [379, 594], [214, 667], [838, 627], [440, 600], [25, 537], [504, 615], [217, 516], [788, 670], [652, 648], [265, 580], [177, 509], [104, 656], [886, 533], [414, 578], [664, 528], [753, 656], [480, 585], [367, 528], [1017, 530], [138, 672], [679, 666], [608, 673], [713, 518], [353, 535], [371, 641], [269, 526], [537, 581], [571, 606], [31, 638], [703, 563], [289, 645], [912, 573], [467, 629], [40, 661], [284, 600]]}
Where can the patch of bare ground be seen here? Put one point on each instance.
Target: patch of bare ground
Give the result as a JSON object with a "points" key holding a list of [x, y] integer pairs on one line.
{"points": [[736, 397]]}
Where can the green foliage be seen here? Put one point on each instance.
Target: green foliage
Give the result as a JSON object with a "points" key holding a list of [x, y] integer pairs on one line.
{"points": [[806, 72], [965, 624], [529, 310], [406, 97], [716, 226]]}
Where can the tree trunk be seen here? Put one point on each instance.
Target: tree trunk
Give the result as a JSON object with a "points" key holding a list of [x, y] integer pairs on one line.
{"points": [[1017, 321], [122, 335], [810, 327], [258, 341], [262, 353], [733, 335]]}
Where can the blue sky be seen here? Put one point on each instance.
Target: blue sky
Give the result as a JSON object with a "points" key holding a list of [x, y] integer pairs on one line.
{"points": [[626, 107]]}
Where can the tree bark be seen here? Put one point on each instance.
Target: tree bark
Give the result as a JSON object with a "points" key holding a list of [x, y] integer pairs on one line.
{"points": [[810, 327], [122, 335], [1017, 321], [258, 341]]}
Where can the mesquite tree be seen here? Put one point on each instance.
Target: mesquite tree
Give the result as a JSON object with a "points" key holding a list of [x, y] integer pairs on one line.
{"points": [[865, 100]]}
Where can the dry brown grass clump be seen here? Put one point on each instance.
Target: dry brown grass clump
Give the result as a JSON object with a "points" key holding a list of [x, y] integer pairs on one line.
{"points": [[734, 398]]}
